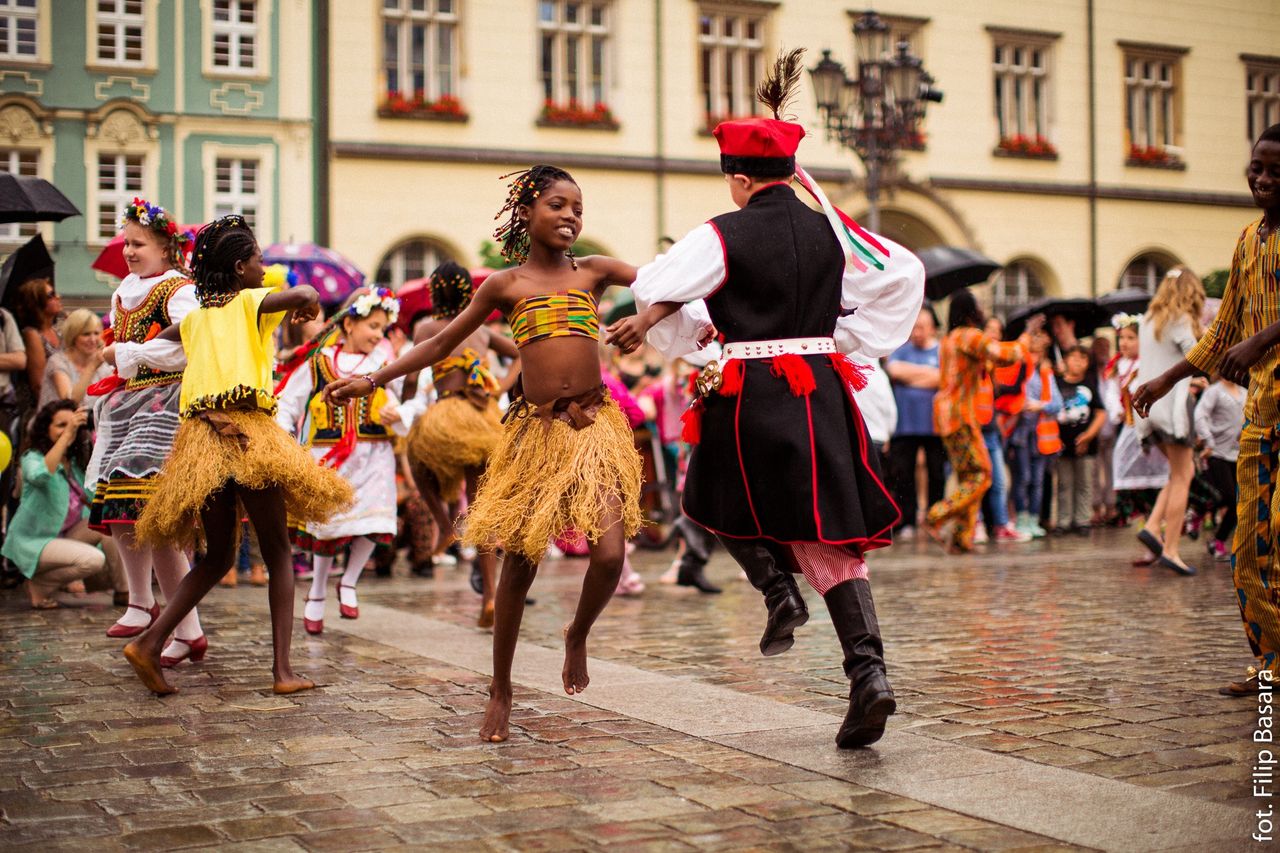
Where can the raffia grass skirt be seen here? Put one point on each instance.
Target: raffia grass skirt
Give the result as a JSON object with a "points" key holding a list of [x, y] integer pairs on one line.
{"points": [[546, 478], [205, 458], [452, 436]]}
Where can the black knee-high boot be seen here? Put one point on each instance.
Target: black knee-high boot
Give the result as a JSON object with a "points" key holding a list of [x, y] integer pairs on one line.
{"points": [[787, 610], [871, 700], [698, 542]]}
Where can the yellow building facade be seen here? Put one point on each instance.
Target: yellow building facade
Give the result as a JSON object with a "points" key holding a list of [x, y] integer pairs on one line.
{"points": [[1083, 144]]}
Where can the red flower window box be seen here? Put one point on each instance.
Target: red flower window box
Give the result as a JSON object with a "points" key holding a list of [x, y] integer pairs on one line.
{"points": [[573, 114], [1031, 147], [1153, 156], [443, 108]]}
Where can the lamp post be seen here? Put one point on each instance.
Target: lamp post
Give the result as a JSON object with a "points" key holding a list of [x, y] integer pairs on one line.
{"points": [[877, 113]]}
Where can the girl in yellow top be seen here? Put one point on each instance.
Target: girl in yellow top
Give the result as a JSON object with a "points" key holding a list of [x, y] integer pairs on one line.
{"points": [[228, 448]]}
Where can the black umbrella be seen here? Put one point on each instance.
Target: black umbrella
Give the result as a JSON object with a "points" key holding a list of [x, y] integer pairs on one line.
{"points": [[25, 199], [1085, 313], [28, 261], [1130, 300], [949, 268]]}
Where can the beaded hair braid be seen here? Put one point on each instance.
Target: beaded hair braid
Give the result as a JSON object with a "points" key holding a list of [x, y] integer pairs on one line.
{"points": [[524, 190], [213, 259], [451, 290]]}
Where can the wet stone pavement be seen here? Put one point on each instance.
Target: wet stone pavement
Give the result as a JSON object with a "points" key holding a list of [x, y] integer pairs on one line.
{"points": [[1051, 697]]}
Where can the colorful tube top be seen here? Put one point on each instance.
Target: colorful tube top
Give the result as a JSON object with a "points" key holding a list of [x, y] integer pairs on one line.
{"points": [[555, 315]]}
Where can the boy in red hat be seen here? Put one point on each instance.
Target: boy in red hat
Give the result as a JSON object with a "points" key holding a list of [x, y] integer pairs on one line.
{"points": [[783, 472]]}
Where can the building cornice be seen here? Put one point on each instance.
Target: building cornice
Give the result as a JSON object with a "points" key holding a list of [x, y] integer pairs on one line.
{"points": [[1152, 48], [1112, 193], [575, 159]]}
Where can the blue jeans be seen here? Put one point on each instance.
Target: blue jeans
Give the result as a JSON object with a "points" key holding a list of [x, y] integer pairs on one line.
{"points": [[995, 504], [1029, 468]]}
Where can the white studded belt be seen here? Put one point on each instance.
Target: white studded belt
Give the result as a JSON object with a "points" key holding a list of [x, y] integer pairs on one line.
{"points": [[784, 346]]}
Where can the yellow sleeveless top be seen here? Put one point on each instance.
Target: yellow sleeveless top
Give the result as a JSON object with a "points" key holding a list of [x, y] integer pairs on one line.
{"points": [[230, 353], [555, 315]]}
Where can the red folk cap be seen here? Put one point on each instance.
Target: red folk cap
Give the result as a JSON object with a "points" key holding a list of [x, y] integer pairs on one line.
{"points": [[759, 147]]}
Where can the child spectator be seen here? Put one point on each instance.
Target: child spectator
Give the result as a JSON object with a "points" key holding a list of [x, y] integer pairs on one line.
{"points": [[1080, 421], [1218, 421]]}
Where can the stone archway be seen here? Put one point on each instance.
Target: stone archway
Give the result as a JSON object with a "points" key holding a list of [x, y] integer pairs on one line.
{"points": [[909, 230]]}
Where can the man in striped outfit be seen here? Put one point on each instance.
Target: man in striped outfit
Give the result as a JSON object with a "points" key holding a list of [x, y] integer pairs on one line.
{"points": [[1241, 345]]}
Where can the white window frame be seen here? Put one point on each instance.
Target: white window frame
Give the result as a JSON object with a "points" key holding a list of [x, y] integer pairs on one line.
{"points": [[1022, 88], [591, 85], [116, 196], [434, 252], [12, 161], [1016, 285], [1152, 96], [1154, 266], [264, 196], [122, 21], [235, 31], [437, 80], [1262, 94], [11, 14], [738, 51]]}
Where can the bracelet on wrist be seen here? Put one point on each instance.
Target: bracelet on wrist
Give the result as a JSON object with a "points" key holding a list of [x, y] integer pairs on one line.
{"points": [[372, 382]]}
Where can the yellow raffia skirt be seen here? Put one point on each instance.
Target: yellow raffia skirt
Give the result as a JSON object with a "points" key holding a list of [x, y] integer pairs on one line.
{"points": [[244, 447], [452, 436], [547, 477]]}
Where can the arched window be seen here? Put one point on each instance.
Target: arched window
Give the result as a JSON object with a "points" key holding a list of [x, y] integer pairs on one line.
{"points": [[1145, 271], [411, 259], [1014, 286]]}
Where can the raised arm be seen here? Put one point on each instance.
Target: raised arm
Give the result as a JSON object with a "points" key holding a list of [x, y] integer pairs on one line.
{"points": [[429, 351], [302, 300]]}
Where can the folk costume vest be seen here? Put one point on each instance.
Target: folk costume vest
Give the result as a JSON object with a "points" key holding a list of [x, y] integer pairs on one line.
{"points": [[787, 429], [330, 423], [142, 323]]}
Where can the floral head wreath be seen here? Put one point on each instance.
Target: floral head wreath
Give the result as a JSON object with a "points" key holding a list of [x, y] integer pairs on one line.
{"points": [[1125, 321], [156, 218], [373, 299]]}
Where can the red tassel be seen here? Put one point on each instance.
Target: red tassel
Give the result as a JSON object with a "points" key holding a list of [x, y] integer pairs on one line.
{"points": [[797, 372], [691, 424], [105, 385], [108, 336], [152, 330], [346, 445], [731, 377], [854, 374], [299, 358]]}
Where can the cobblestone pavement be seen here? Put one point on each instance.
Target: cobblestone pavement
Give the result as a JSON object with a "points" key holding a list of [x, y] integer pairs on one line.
{"points": [[1059, 655]]}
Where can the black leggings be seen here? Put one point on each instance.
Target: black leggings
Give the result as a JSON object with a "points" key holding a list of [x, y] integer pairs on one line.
{"points": [[1221, 474]]}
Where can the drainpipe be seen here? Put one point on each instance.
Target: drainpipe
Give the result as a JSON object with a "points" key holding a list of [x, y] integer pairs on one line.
{"points": [[1093, 154], [320, 127], [659, 128]]}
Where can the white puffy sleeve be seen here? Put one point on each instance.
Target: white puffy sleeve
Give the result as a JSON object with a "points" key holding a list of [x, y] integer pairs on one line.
{"points": [[292, 401], [691, 270], [167, 356], [884, 303]]}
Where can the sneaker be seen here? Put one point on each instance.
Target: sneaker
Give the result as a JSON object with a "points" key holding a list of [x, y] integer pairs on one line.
{"points": [[1219, 551], [906, 533], [980, 535], [1009, 533]]}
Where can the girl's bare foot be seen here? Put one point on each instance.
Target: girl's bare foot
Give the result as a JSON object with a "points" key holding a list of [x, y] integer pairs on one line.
{"points": [[486, 616], [497, 716], [291, 683], [147, 666], [575, 663]]}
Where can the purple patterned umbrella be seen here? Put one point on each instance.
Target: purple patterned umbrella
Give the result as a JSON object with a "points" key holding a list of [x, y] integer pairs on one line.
{"points": [[324, 269]]}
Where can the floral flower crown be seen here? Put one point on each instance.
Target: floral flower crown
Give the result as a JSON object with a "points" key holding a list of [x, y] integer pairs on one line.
{"points": [[1125, 321], [377, 297], [156, 218]]}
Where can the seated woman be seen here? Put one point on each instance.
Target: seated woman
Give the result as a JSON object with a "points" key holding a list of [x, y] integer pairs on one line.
{"points": [[49, 538]]}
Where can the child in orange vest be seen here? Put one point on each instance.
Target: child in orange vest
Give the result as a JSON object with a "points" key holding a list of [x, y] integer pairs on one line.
{"points": [[1035, 440]]}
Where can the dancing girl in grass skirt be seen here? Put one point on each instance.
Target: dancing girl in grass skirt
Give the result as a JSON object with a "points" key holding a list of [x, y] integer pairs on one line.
{"points": [[566, 459], [229, 452], [451, 443]]}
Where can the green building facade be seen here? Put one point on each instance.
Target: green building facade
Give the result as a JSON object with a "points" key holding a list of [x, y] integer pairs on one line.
{"points": [[202, 106]]}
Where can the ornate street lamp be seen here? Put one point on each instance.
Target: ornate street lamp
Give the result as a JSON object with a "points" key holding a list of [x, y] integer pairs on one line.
{"points": [[878, 113]]}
